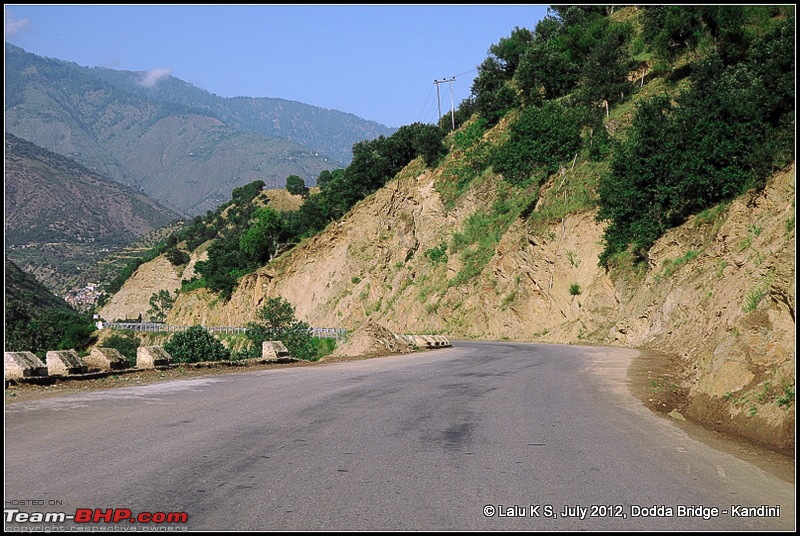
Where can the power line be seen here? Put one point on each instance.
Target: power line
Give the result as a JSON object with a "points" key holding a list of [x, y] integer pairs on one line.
{"points": [[429, 111], [466, 72], [419, 117]]}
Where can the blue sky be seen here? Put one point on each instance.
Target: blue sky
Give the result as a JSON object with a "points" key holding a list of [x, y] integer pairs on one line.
{"points": [[377, 62]]}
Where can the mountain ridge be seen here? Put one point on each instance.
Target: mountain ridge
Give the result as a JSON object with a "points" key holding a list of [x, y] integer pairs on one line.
{"points": [[187, 157], [60, 216]]}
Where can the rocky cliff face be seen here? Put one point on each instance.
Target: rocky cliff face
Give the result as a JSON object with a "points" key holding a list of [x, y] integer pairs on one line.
{"points": [[718, 292]]}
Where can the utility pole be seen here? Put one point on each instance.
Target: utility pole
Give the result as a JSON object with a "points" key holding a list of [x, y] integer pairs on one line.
{"points": [[452, 105], [439, 102]]}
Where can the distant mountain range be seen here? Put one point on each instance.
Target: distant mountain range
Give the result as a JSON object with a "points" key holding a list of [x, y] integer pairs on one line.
{"points": [[61, 216], [179, 144]]}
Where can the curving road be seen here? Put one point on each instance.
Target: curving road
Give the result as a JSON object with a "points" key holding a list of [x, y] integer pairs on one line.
{"points": [[431, 441]]}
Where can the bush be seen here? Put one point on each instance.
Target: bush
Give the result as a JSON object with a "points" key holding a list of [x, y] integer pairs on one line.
{"points": [[194, 345], [574, 289], [438, 254], [126, 344], [177, 257]]}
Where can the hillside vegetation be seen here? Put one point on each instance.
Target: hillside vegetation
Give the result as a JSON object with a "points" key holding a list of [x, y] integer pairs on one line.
{"points": [[620, 176]]}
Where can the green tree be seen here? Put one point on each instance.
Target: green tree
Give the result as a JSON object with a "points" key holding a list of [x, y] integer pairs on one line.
{"points": [[493, 98], [546, 70], [52, 329], [259, 243], [633, 194], [672, 30], [277, 322], [194, 345], [177, 257], [296, 185], [541, 139], [324, 178], [161, 303], [509, 50], [493, 95], [244, 194], [606, 67], [225, 262]]}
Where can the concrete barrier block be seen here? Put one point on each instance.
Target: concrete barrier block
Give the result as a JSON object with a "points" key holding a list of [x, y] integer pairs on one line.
{"points": [[18, 365], [274, 350], [418, 341], [151, 357], [429, 342], [441, 342], [101, 358], [411, 339], [64, 363]]}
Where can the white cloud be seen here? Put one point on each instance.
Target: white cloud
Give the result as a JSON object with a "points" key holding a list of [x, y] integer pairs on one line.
{"points": [[152, 77], [14, 26]]}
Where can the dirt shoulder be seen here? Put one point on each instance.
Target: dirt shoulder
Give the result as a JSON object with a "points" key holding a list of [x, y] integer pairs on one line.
{"points": [[653, 378]]}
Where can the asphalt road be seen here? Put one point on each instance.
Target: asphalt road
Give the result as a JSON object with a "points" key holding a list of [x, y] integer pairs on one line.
{"points": [[430, 441]]}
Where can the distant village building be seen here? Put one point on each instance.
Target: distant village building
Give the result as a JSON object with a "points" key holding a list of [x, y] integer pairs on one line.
{"points": [[84, 298]]}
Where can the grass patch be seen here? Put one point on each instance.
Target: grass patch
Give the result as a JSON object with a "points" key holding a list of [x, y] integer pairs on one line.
{"points": [[721, 267], [192, 284], [364, 293], [468, 161], [745, 243], [469, 134], [573, 259], [757, 294], [753, 299], [508, 299], [574, 289], [711, 215], [574, 192], [481, 233], [672, 265], [787, 398]]}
